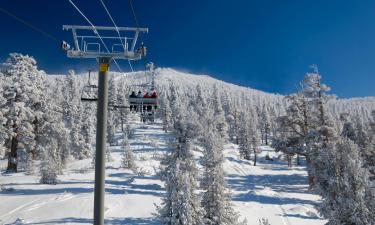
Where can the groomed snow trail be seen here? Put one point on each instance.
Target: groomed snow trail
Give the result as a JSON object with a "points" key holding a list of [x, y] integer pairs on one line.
{"points": [[269, 190], [130, 197]]}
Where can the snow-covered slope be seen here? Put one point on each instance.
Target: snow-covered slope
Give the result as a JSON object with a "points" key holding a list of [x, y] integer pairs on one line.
{"points": [[269, 190]]}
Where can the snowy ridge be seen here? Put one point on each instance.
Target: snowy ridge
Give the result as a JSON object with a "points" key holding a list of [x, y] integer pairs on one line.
{"points": [[168, 76]]}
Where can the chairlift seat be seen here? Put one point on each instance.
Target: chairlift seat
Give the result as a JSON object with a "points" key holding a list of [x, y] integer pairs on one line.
{"points": [[143, 101], [89, 93]]}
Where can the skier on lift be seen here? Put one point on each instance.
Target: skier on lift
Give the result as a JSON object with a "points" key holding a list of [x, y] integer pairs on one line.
{"points": [[133, 95], [147, 95], [139, 95], [132, 106], [154, 95]]}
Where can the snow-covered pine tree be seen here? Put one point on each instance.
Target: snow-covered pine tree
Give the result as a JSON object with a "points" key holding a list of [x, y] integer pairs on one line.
{"points": [[248, 134], [348, 129], [122, 113], [112, 117], [181, 205], [307, 117], [216, 200], [221, 123], [293, 128], [108, 155], [361, 133], [175, 105], [264, 124], [232, 126], [200, 103], [366, 140], [254, 138], [286, 141], [244, 141], [72, 116], [3, 131], [88, 129], [111, 128], [166, 115], [127, 160], [22, 91], [80, 149], [347, 194], [323, 134], [48, 170], [70, 102], [52, 148]]}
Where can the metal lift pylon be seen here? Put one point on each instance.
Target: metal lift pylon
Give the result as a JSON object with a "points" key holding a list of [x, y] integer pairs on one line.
{"points": [[82, 50]]}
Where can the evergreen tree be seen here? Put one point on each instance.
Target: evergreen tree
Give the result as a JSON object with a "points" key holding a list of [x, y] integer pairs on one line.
{"points": [[323, 134], [52, 163], [127, 154], [181, 205], [244, 139], [22, 92], [111, 128], [221, 124], [112, 117], [166, 115], [48, 171], [346, 189], [53, 147], [80, 149], [265, 124], [175, 104], [307, 125], [200, 102], [254, 139], [216, 198], [87, 130], [366, 140], [3, 120], [72, 117], [348, 129]]}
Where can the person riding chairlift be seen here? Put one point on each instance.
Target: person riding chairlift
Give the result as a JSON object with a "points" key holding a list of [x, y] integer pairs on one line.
{"points": [[154, 95], [139, 95], [133, 95], [133, 107], [147, 95]]}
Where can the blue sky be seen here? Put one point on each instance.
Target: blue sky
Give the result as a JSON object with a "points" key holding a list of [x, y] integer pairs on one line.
{"points": [[263, 44]]}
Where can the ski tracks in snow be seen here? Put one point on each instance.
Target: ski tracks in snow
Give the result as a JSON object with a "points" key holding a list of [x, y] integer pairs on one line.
{"points": [[19, 208], [246, 173], [285, 220], [36, 204]]}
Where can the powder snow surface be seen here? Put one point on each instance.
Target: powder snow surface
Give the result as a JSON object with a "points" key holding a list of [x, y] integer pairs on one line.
{"points": [[269, 190]]}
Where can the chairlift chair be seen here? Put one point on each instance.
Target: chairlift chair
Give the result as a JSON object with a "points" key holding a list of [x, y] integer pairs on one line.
{"points": [[89, 91], [143, 104]]}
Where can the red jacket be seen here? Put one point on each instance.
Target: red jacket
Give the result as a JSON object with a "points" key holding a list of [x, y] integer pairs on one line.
{"points": [[146, 95]]}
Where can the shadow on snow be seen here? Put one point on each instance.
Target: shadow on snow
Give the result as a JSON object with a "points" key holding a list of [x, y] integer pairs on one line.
{"points": [[114, 221]]}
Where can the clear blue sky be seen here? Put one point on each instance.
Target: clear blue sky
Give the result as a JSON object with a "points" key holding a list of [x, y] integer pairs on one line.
{"points": [[263, 44]]}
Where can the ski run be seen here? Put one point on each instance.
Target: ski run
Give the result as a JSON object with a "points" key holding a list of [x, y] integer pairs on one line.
{"points": [[269, 190]]}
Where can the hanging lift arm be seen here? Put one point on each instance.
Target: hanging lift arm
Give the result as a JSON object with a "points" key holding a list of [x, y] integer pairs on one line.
{"points": [[75, 39]]}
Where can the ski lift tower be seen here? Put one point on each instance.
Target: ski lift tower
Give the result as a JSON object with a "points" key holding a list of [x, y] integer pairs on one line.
{"points": [[151, 67], [91, 46]]}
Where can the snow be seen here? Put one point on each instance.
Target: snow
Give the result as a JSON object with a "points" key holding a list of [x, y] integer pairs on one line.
{"points": [[269, 190]]}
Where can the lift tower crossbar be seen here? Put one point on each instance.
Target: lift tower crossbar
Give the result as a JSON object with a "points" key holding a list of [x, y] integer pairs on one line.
{"points": [[83, 49], [82, 43]]}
